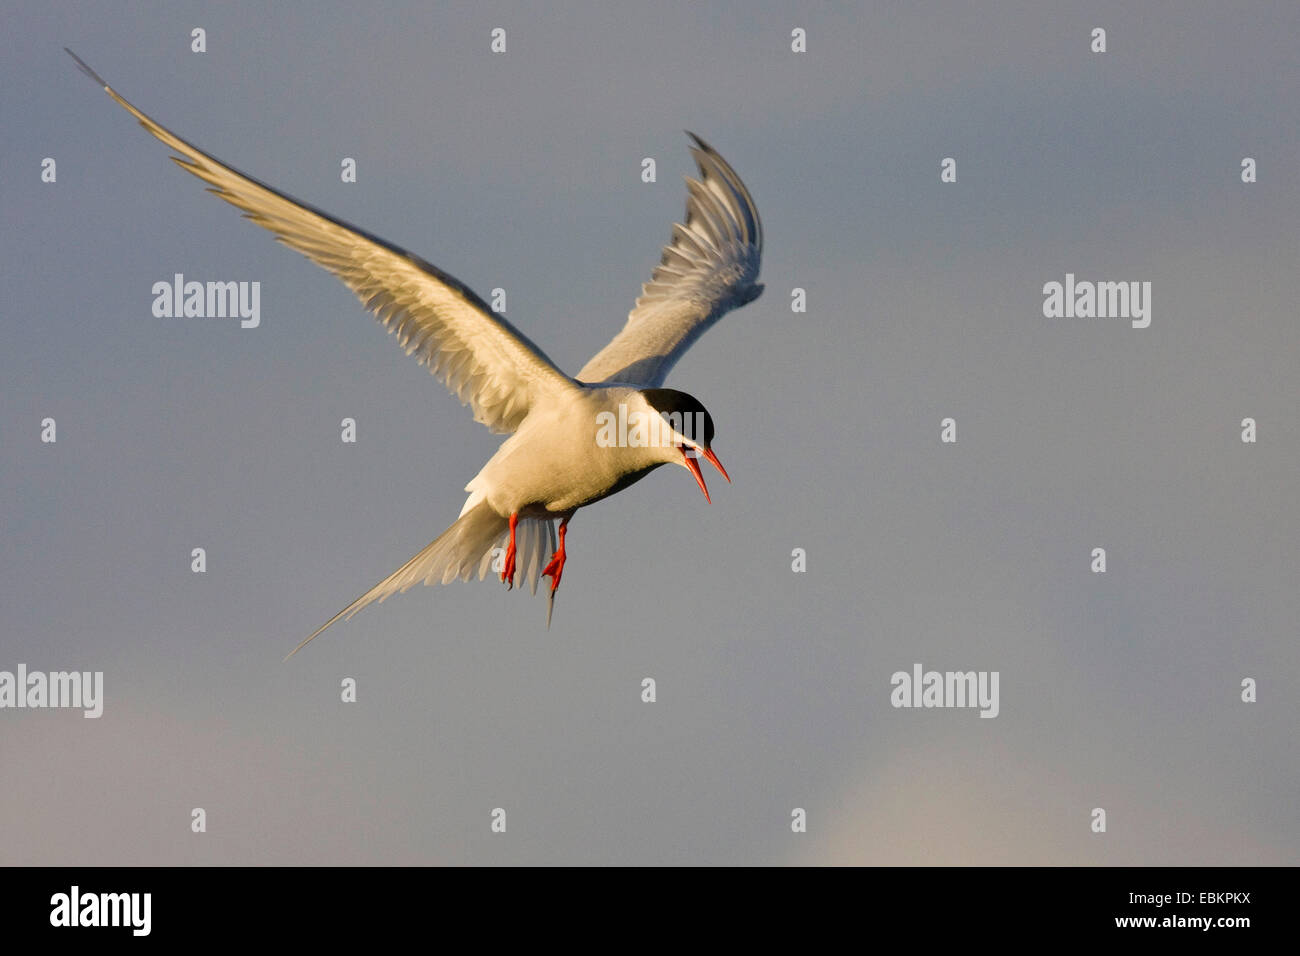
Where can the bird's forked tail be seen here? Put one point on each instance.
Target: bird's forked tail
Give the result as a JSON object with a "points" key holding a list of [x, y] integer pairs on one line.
{"points": [[469, 545]]}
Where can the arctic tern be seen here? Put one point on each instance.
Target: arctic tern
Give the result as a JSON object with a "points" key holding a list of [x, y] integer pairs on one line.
{"points": [[561, 454]]}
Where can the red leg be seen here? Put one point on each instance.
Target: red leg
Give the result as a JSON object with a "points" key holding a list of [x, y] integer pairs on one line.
{"points": [[556, 567], [508, 572]]}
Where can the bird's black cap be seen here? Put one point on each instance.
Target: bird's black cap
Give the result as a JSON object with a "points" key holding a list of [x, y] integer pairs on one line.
{"points": [[684, 412]]}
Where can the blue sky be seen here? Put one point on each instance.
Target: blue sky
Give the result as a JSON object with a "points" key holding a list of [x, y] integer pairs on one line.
{"points": [[521, 171]]}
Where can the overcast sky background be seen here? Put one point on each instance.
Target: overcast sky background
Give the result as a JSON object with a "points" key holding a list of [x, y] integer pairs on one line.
{"points": [[1119, 691]]}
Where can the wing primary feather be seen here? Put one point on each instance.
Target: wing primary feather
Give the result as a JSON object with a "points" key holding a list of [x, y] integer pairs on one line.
{"points": [[430, 311], [709, 267]]}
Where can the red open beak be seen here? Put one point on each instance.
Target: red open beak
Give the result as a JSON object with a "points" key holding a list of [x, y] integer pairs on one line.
{"points": [[708, 453], [693, 463]]}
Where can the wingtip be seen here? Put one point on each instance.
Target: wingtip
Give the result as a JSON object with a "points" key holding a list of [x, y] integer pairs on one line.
{"points": [[85, 68], [303, 643], [702, 144]]}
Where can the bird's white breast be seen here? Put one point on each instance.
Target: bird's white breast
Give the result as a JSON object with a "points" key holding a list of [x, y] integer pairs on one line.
{"points": [[555, 459]]}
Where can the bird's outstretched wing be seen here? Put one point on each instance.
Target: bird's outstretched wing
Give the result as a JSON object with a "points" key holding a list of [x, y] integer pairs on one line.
{"points": [[485, 361], [708, 269]]}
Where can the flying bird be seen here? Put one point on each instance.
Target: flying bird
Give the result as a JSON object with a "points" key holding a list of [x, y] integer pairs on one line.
{"points": [[573, 440]]}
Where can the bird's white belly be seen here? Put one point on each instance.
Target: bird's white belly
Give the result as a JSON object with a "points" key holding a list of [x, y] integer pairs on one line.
{"points": [[554, 463]]}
